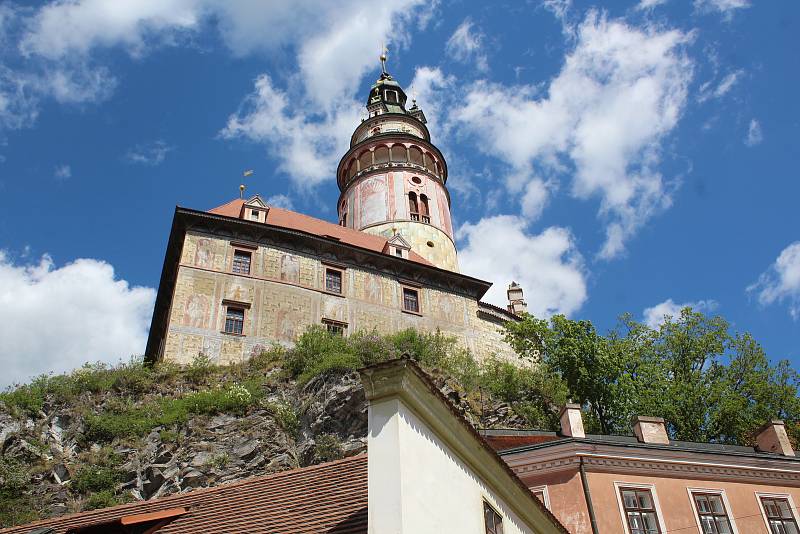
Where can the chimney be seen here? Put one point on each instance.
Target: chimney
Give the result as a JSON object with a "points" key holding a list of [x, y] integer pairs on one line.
{"points": [[650, 429], [516, 304], [572, 421], [772, 438]]}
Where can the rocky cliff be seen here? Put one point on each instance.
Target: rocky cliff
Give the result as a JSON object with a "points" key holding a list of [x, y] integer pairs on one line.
{"points": [[103, 436]]}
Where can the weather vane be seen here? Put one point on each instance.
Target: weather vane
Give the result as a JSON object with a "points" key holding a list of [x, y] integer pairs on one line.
{"points": [[245, 174], [382, 57]]}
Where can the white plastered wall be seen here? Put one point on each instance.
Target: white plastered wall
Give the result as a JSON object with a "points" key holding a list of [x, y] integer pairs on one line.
{"points": [[417, 484]]}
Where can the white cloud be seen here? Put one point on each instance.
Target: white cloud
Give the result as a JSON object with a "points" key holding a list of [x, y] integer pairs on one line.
{"points": [[650, 4], [725, 7], [56, 318], [655, 315], [152, 154], [721, 89], [308, 146], [781, 282], [62, 172], [602, 120], [754, 134], [280, 201], [466, 44], [547, 265], [535, 199]]}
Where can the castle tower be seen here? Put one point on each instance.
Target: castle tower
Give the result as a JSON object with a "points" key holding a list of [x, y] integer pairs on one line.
{"points": [[392, 180]]}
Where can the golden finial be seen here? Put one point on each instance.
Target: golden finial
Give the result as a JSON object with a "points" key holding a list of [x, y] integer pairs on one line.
{"points": [[241, 191], [382, 57]]}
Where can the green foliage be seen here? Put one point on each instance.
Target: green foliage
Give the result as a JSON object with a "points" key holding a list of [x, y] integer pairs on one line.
{"points": [[200, 369], [95, 478], [101, 499], [286, 417], [219, 460], [124, 419], [327, 447], [709, 384]]}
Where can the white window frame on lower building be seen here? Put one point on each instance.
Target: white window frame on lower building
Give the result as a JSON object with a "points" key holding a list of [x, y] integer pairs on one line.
{"points": [[787, 496], [725, 502], [618, 485], [545, 495]]}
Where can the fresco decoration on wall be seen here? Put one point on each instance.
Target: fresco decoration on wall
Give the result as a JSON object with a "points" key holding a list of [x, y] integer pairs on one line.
{"points": [[195, 311], [446, 308], [373, 289], [444, 214], [290, 268], [334, 308], [238, 292], [203, 254], [286, 325], [211, 347], [373, 200]]}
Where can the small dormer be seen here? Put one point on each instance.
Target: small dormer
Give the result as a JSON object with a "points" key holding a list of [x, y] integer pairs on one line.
{"points": [[254, 209], [397, 246]]}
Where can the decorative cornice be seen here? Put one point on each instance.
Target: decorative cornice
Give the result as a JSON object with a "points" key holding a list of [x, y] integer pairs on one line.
{"points": [[651, 462], [402, 379]]}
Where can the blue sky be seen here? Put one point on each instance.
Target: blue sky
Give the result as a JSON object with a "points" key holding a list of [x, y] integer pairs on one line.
{"points": [[619, 157]]}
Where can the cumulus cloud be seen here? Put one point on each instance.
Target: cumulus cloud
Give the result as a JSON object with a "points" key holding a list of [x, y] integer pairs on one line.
{"points": [[151, 154], [781, 282], [649, 4], [57, 318], [656, 315], [754, 134], [280, 201], [547, 265], [62, 172], [308, 146], [602, 120], [466, 44]]}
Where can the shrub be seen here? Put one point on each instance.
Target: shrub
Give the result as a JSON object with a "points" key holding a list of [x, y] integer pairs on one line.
{"points": [[101, 499], [286, 417], [200, 369], [95, 478], [328, 447]]}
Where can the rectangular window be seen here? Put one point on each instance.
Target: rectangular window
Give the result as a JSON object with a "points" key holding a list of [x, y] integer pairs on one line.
{"points": [[254, 215], [234, 320], [711, 513], [779, 515], [333, 281], [492, 520], [241, 262], [410, 300], [640, 512], [335, 327]]}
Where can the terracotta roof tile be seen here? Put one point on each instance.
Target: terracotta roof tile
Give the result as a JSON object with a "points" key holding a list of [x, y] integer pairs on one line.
{"points": [[326, 498], [297, 221]]}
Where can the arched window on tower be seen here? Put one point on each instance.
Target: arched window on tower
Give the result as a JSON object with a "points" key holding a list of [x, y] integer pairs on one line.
{"points": [[413, 206], [424, 211], [365, 160], [416, 155], [398, 153], [381, 155], [430, 163]]}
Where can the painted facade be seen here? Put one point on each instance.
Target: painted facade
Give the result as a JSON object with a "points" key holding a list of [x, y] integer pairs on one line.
{"points": [[285, 293]]}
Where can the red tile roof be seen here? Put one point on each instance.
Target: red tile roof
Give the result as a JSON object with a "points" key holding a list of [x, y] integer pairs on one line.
{"points": [[326, 498], [502, 443], [297, 221]]}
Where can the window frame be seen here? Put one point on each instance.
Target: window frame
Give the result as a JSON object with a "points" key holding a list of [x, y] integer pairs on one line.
{"points": [[338, 271], [545, 495], [242, 250], [331, 324], [415, 289], [489, 508], [620, 485], [712, 491], [778, 496], [228, 308]]}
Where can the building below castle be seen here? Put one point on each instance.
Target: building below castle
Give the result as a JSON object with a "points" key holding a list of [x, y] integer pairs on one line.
{"points": [[245, 275]]}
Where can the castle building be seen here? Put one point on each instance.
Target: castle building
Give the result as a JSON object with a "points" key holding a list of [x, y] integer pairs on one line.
{"points": [[245, 275]]}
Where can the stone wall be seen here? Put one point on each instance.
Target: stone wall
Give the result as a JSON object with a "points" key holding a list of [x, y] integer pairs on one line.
{"points": [[284, 294]]}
